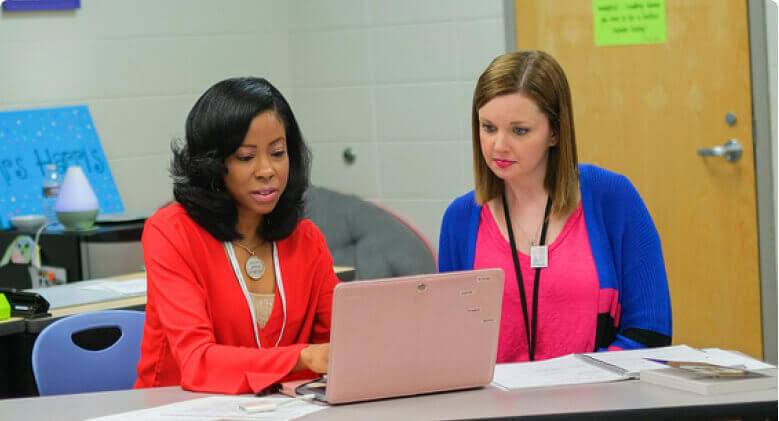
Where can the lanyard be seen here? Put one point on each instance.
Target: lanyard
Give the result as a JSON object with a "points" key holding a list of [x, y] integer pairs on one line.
{"points": [[279, 285], [530, 334]]}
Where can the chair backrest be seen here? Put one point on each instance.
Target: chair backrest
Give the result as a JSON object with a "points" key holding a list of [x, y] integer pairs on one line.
{"points": [[373, 240], [61, 366]]}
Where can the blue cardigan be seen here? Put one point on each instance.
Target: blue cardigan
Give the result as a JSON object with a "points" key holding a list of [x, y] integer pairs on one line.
{"points": [[634, 303]]}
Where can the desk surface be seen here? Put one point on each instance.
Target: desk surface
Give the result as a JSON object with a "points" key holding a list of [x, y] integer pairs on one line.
{"points": [[617, 400], [104, 232], [135, 302], [18, 325], [121, 302], [17, 336], [11, 326]]}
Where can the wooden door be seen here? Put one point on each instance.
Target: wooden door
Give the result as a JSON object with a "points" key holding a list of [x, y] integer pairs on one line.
{"points": [[644, 111]]}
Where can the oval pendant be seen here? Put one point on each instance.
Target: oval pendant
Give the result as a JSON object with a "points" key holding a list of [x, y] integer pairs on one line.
{"points": [[254, 267]]}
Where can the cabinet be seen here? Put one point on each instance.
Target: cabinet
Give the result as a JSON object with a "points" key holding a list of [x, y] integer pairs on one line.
{"points": [[107, 250]]}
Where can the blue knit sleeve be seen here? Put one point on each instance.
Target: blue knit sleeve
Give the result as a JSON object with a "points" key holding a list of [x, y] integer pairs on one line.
{"points": [[447, 254], [645, 318], [455, 236]]}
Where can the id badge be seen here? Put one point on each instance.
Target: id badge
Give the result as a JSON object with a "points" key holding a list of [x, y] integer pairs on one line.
{"points": [[538, 257]]}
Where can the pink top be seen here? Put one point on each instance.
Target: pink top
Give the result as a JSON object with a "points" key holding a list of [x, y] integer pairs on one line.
{"points": [[567, 297]]}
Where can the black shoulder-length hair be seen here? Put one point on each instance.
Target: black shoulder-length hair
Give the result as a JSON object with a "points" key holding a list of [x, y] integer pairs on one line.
{"points": [[216, 126]]}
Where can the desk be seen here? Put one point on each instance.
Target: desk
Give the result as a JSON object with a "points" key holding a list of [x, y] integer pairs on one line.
{"points": [[11, 326], [619, 400], [17, 336], [10, 332], [344, 273], [106, 250], [16, 376], [138, 302]]}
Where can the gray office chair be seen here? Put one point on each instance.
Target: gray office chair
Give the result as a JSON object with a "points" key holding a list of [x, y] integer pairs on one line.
{"points": [[373, 240]]}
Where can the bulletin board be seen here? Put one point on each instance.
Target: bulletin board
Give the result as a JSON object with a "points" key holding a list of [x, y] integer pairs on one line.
{"points": [[31, 139]]}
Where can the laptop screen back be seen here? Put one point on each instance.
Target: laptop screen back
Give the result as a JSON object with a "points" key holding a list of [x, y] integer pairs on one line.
{"points": [[411, 335]]}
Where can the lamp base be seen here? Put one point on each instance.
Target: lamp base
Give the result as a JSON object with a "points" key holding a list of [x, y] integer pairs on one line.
{"points": [[79, 220]]}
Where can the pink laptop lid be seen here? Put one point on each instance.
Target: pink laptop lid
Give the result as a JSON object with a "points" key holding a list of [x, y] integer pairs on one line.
{"points": [[412, 335]]}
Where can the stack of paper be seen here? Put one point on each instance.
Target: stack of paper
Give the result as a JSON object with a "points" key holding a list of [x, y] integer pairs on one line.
{"points": [[631, 363], [601, 367], [92, 291], [636, 361], [553, 372], [734, 358], [708, 379], [130, 287]]}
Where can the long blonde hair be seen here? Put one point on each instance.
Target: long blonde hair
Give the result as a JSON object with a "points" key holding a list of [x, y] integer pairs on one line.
{"points": [[538, 76]]}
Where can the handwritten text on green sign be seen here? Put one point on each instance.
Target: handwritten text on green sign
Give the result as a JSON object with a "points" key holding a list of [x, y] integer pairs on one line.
{"points": [[629, 22]]}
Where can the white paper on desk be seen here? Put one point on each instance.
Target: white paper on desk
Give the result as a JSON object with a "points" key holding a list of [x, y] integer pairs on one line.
{"points": [[76, 293], [129, 287], [553, 372], [217, 408], [734, 358], [634, 361]]}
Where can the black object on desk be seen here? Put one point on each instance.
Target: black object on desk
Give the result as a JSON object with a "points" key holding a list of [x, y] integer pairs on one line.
{"points": [[109, 249], [26, 304]]}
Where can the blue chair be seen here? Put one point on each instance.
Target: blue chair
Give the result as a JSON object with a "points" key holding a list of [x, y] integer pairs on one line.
{"points": [[61, 366]]}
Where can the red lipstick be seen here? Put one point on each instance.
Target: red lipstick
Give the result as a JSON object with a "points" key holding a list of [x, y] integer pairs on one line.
{"points": [[503, 163]]}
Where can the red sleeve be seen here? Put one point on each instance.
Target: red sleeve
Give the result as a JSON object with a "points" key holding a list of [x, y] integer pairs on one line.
{"points": [[179, 296], [327, 281]]}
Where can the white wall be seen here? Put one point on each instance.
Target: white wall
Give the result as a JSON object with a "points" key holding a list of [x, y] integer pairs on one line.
{"points": [[392, 80], [139, 65], [771, 31]]}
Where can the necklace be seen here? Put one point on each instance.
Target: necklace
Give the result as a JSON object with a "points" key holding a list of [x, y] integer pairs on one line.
{"points": [[254, 266], [530, 240]]}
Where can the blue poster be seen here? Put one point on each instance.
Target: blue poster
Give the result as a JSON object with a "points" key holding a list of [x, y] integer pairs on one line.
{"points": [[31, 139]]}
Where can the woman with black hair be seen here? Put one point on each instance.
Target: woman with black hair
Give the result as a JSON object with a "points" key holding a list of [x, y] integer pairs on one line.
{"points": [[239, 284]]}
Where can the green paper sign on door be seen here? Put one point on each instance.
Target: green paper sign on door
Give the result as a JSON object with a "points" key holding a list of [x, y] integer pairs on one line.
{"points": [[629, 22]]}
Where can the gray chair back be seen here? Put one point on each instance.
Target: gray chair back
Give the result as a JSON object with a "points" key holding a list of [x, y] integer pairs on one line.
{"points": [[373, 240]]}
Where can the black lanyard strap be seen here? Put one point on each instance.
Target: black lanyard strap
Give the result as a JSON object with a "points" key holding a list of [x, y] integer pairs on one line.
{"points": [[529, 334]]}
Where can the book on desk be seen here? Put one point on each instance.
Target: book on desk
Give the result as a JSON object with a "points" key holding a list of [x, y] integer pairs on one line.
{"points": [[708, 379]]}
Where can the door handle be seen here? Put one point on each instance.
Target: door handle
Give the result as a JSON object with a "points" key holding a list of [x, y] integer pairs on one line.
{"points": [[731, 150]]}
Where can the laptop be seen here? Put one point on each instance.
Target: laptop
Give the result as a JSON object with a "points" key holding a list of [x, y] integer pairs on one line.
{"points": [[411, 335]]}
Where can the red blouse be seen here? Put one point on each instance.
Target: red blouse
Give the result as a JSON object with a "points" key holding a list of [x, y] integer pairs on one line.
{"points": [[198, 331]]}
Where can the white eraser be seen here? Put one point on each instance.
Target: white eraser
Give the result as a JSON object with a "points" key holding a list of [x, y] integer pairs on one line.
{"points": [[257, 406]]}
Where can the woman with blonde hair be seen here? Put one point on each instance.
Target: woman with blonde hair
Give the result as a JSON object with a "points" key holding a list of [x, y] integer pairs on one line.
{"points": [[582, 259]]}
